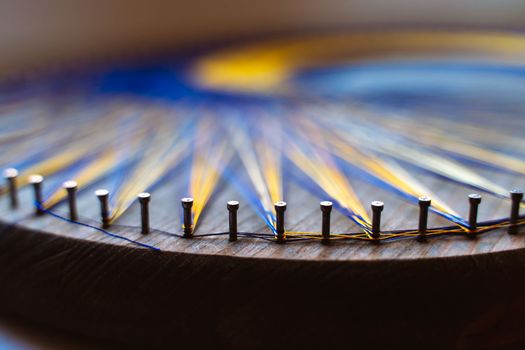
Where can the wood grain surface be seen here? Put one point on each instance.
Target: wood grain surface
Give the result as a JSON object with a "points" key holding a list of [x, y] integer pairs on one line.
{"points": [[450, 292], [303, 213]]}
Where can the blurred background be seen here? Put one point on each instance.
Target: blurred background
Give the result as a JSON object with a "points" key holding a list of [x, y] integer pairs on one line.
{"points": [[37, 33], [33, 32]]}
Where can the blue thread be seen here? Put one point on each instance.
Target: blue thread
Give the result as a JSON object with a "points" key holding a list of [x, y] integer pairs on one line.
{"points": [[144, 245]]}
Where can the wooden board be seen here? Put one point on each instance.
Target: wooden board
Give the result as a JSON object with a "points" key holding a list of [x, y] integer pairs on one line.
{"points": [[302, 214], [447, 292]]}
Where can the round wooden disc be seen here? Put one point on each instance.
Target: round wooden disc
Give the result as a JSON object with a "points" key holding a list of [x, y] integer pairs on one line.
{"points": [[450, 291]]}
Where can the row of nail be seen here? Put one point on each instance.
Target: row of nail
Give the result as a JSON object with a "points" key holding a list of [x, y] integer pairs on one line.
{"points": [[144, 198]]}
